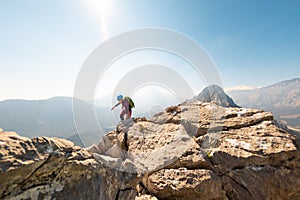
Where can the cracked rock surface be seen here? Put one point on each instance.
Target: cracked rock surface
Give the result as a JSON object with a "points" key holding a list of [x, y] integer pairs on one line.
{"points": [[51, 168], [191, 151]]}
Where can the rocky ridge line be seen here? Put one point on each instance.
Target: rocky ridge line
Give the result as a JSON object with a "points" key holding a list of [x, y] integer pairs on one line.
{"points": [[203, 151], [194, 150]]}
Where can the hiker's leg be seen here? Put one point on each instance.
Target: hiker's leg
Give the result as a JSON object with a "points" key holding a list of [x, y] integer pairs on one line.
{"points": [[128, 115], [130, 112], [122, 115]]}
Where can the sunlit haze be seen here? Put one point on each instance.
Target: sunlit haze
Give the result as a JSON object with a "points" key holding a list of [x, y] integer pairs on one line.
{"points": [[102, 11], [45, 43]]}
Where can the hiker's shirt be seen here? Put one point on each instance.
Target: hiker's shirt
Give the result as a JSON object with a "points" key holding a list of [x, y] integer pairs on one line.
{"points": [[125, 104]]}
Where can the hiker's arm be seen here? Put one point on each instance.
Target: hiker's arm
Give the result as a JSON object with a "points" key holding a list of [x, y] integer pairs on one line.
{"points": [[115, 106]]}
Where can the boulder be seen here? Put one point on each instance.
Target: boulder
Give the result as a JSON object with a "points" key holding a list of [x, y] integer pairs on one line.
{"points": [[185, 184], [52, 168]]}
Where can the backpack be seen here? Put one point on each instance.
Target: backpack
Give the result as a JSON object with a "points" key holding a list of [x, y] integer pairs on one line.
{"points": [[130, 102]]}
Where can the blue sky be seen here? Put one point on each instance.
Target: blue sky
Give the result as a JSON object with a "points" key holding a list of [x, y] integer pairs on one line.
{"points": [[43, 44]]}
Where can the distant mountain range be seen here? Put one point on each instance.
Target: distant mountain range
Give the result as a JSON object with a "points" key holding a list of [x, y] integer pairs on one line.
{"points": [[52, 117], [283, 99]]}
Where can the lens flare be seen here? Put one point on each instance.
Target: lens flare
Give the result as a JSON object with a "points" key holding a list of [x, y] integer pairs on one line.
{"points": [[101, 11]]}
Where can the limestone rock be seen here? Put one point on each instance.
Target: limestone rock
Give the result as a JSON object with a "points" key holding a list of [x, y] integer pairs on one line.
{"points": [[195, 150], [146, 197], [51, 168], [200, 150], [262, 182], [185, 184]]}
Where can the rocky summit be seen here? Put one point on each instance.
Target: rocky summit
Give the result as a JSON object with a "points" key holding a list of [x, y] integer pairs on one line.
{"points": [[214, 93], [196, 150]]}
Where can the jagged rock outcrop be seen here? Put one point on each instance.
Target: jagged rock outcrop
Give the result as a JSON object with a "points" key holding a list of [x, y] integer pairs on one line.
{"points": [[51, 168], [215, 93], [193, 151], [204, 151]]}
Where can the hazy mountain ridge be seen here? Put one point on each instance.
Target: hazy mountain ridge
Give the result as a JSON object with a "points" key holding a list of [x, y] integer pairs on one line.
{"points": [[54, 117], [146, 104], [50, 117], [283, 99]]}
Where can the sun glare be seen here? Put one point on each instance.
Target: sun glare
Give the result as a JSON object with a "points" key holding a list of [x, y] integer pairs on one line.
{"points": [[101, 11]]}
